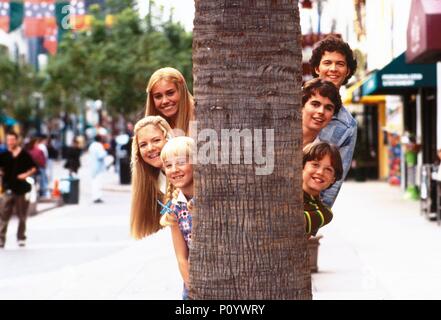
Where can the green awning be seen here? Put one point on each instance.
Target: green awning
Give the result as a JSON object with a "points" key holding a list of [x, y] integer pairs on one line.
{"points": [[8, 121], [399, 77]]}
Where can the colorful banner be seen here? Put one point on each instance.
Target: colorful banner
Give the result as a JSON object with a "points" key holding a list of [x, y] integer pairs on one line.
{"points": [[50, 42], [39, 15], [78, 18], [4, 15]]}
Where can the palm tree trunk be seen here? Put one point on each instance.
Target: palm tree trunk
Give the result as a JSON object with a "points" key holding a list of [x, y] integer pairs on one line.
{"points": [[248, 232]]}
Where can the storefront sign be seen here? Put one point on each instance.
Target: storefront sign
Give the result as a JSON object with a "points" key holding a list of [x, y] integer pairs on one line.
{"points": [[401, 80], [399, 76]]}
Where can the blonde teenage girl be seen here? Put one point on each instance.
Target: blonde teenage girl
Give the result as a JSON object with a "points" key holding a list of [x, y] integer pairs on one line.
{"points": [[168, 96], [148, 182]]}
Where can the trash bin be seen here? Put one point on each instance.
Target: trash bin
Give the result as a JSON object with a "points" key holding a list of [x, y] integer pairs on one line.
{"points": [[70, 190], [124, 171]]}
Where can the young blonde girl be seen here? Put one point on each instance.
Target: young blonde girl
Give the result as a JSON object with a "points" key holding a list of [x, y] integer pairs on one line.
{"points": [[148, 182], [176, 156], [168, 96]]}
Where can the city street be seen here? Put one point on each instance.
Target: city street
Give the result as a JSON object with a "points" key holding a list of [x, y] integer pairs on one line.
{"points": [[377, 247], [85, 252]]}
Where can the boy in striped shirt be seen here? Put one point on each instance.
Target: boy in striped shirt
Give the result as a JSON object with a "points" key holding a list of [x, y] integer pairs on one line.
{"points": [[322, 166]]}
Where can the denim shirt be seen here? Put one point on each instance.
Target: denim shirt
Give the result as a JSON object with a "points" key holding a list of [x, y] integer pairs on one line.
{"points": [[342, 132]]}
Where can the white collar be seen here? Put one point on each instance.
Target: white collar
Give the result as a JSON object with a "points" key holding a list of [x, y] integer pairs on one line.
{"points": [[181, 197]]}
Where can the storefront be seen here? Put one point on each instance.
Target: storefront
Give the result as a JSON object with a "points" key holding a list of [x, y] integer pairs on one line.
{"points": [[371, 153], [424, 46], [415, 84]]}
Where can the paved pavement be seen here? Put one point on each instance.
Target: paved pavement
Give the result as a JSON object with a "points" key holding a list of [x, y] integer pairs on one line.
{"points": [[377, 247], [85, 251]]}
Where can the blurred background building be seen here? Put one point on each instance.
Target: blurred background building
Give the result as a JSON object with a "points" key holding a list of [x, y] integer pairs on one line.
{"points": [[395, 94]]}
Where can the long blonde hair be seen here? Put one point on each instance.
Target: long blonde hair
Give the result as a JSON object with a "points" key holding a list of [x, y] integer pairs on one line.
{"points": [[186, 102], [145, 214], [178, 146]]}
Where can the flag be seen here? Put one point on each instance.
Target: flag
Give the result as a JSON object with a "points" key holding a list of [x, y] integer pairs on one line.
{"points": [[50, 42], [4, 15], [78, 17], [38, 16]]}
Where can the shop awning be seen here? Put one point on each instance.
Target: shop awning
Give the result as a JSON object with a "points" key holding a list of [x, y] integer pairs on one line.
{"points": [[423, 41], [8, 121], [353, 94], [399, 77]]}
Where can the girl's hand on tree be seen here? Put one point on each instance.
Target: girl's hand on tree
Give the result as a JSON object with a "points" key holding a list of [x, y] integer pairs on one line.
{"points": [[168, 219]]}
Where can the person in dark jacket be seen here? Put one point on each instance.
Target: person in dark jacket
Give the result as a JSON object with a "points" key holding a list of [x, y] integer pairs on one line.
{"points": [[17, 165], [73, 155]]}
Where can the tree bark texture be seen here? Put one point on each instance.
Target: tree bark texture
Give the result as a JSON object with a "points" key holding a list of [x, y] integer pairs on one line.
{"points": [[248, 238]]}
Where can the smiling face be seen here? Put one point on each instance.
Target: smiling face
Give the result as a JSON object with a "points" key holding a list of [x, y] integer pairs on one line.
{"points": [[151, 140], [179, 171], [317, 113], [318, 175], [333, 67], [166, 98]]}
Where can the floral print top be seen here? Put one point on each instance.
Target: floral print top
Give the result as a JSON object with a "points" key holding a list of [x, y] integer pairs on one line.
{"points": [[180, 208]]}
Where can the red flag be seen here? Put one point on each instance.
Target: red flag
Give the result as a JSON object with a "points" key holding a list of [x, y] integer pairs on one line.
{"points": [[38, 16], [4, 15], [50, 42]]}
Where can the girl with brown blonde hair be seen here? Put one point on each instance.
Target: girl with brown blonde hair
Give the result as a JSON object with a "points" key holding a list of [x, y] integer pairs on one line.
{"points": [[177, 157], [168, 96], [148, 182]]}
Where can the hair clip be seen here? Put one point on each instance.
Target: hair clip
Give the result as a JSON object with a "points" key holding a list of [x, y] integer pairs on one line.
{"points": [[166, 207]]}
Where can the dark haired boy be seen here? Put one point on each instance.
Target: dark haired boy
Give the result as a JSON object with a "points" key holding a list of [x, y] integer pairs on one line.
{"points": [[333, 60], [321, 168]]}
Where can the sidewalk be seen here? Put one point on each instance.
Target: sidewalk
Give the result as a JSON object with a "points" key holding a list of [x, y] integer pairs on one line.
{"points": [[84, 251], [378, 246], [110, 183]]}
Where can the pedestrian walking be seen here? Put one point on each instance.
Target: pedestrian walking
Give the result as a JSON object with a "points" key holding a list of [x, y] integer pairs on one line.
{"points": [[333, 60], [98, 167], [168, 96], [73, 154], [17, 165], [176, 157], [43, 171], [52, 157], [148, 181], [322, 166], [39, 158]]}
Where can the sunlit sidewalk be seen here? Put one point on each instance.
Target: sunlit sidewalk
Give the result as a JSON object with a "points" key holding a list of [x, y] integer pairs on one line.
{"points": [[378, 246]]}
